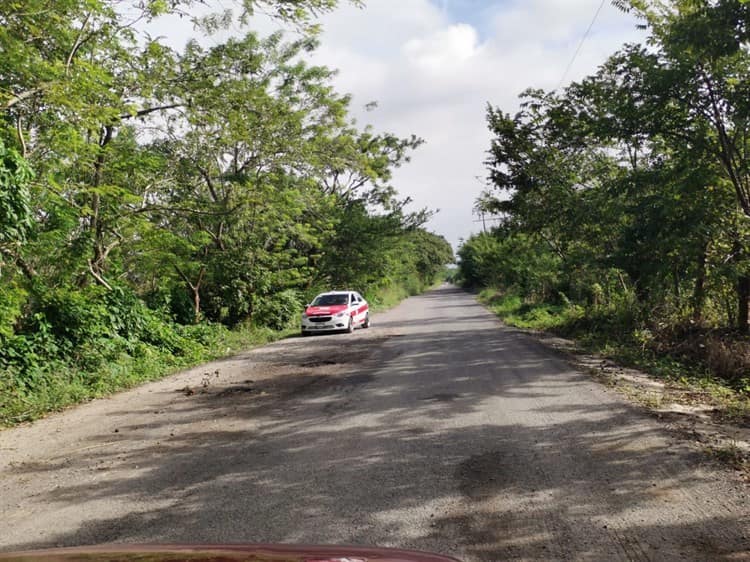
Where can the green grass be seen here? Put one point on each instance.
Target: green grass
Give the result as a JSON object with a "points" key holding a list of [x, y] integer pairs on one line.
{"points": [[388, 297], [514, 311], [57, 384], [107, 366], [391, 295], [610, 333], [730, 454], [600, 333]]}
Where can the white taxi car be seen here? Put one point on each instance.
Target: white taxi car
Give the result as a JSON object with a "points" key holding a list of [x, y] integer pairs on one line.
{"points": [[336, 311]]}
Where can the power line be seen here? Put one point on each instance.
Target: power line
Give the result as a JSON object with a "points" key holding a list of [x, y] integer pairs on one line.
{"points": [[580, 45]]}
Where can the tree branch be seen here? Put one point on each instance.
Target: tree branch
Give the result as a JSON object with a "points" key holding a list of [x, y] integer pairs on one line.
{"points": [[209, 182], [148, 110], [183, 210], [26, 268], [77, 44], [21, 139], [20, 97], [98, 277]]}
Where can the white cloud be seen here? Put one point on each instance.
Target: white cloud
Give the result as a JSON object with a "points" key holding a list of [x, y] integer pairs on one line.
{"points": [[433, 77], [432, 68], [444, 50]]}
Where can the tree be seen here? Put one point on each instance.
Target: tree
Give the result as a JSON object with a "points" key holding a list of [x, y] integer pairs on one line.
{"points": [[698, 83], [143, 190], [15, 211], [583, 172]]}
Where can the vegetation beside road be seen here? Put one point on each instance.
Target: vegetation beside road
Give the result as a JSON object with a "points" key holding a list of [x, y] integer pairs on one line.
{"points": [[697, 368], [44, 381], [162, 207], [621, 203]]}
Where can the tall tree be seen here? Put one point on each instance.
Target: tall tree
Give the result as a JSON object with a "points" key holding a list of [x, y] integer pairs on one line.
{"points": [[698, 86]]}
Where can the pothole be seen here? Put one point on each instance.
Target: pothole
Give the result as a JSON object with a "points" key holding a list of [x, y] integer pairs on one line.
{"points": [[321, 363]]}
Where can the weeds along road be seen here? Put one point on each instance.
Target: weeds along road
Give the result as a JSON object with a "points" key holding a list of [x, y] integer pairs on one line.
{"points": [[437, 429]]}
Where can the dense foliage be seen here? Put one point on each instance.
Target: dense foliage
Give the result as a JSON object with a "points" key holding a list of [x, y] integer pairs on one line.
{"points": [[627, 193], [150, 199]]}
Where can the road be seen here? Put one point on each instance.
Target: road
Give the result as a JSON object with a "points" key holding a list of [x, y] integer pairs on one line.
{"points": [[437, 429]]}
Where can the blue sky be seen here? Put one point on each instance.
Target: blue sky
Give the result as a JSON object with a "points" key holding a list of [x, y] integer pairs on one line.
{"points": [[473, 12]]}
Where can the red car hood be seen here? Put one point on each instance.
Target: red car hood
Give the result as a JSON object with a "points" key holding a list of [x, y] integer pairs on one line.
{"points": [[223, 553], [325, 310]]}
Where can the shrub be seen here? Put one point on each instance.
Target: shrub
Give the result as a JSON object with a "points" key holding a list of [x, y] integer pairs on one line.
{"points": [[74, 315], [729, 360], [278, 311], [11, 309]]}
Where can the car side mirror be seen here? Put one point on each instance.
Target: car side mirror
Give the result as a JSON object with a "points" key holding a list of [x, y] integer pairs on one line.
{"points": [[307, 305]]}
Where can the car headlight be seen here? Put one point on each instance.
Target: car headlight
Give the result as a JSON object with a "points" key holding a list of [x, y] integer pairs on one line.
{"points": [[341, 315], [304, 316]]}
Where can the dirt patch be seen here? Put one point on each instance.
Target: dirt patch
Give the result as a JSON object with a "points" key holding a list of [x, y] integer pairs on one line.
{"points": [[481, 476], [288, 371], [285, 386], [232, 390]]}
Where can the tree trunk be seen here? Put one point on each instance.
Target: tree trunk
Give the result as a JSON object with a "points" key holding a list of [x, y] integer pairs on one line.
{"points": [[195, 289], [743, 284], [743, 302], [197, 304], [699, 290], [96, 226]]}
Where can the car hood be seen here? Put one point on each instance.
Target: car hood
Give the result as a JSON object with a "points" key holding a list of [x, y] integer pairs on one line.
{"points": [[325, 310], [223, 553]]}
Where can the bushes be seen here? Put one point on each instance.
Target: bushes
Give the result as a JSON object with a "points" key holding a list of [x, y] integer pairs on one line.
{"points": [[11, 309], [15, 209], [278, 311], [536, 316], [67, 342], [38, 374], [72, 316], [625, 333], [108, 322], [83, 342], [516, 261]]}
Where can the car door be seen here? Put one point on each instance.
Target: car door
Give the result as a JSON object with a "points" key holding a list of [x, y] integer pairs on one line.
{"points": [[354, 308], [361, 307]]}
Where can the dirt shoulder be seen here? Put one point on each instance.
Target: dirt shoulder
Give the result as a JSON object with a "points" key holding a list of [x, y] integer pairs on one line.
{"points": [[691, 413]]}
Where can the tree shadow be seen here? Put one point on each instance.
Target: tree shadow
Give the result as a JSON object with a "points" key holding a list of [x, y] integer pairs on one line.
{"points": [[465, 439]]}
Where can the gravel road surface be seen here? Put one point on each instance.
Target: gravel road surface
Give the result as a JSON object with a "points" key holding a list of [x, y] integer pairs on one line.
{"points": [[437, 429]]}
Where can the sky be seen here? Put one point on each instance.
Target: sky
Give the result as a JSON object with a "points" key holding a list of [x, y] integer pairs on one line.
{"points": [[432, 66]]}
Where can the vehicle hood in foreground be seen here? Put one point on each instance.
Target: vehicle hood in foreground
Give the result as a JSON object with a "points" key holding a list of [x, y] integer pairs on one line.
{"points": [[222, 553]]}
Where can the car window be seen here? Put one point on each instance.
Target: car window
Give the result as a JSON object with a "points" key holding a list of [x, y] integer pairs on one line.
{"points": [[330, 300]]}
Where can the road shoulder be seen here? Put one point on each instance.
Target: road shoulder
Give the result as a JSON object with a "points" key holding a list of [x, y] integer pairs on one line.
{"points": [[686, 415]]}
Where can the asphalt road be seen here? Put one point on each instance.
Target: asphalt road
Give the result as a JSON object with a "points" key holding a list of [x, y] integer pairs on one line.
{"points": [[437, 429]]}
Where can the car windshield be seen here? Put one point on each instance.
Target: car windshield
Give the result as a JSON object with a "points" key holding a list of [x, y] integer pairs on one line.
{"points": [[329, 300]]}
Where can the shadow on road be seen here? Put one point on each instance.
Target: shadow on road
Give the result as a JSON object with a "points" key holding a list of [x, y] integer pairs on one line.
{"points": [[422, 437]]}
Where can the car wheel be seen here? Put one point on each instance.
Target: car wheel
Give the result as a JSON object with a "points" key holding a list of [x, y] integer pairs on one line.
{"points": [[366, 323], [350, 327]]}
